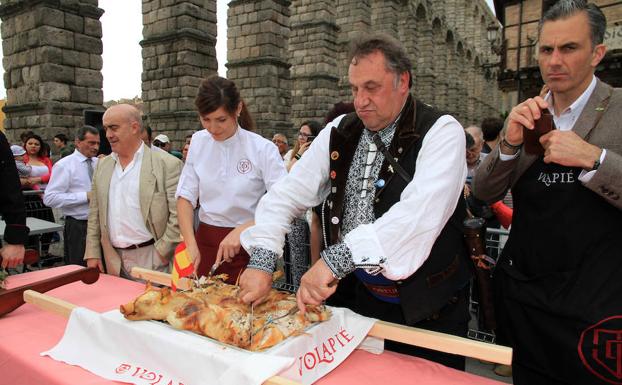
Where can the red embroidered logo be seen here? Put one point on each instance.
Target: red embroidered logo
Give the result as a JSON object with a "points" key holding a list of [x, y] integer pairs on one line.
{"points": [[600, 349], [244, 166], [324, 353]]}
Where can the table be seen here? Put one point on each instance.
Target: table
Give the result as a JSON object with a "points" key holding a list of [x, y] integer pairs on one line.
{"points": [[37, 226], [28, 331]]}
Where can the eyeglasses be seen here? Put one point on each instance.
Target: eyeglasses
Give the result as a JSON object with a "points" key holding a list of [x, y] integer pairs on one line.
{"points": [[304, 135], [278, 141]]}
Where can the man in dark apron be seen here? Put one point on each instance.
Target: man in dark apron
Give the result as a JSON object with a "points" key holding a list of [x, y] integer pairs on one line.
{"points": [[558, 295]]}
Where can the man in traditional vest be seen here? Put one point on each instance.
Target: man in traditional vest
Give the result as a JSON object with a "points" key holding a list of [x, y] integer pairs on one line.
{"points": [[392, 174], [557, 284]]}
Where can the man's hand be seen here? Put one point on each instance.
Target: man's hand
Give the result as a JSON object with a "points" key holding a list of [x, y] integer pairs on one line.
{"points": [[316, 285], [523, 115], [12, 255], [95, 262], [568, 149], [255, 285]]}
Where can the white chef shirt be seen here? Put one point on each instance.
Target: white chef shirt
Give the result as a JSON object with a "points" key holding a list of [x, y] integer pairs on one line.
{"points": [[229, 177], [69, 184], [405, 234], [125, 220]]}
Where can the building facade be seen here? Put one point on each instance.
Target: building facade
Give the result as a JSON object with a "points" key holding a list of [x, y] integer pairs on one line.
{"points": [[519, 75]]}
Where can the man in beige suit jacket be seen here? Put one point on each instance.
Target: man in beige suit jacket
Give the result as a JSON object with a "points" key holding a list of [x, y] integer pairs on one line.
{"points": [[557, 288], [132, 208]]}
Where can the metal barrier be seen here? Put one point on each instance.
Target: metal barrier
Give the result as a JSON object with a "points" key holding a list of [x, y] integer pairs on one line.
{"points": [[296, 256], [45, 241], [495, 241]]}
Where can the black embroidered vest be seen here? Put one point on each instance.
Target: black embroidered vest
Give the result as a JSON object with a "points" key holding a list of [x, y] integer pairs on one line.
{"points": [[447, 269]]}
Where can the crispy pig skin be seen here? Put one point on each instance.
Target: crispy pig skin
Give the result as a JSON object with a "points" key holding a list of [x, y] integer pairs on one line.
{"points": [[216, 311]]}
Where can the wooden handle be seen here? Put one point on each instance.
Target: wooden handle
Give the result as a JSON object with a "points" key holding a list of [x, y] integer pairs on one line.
{"points": [[442, 342], [158, 277], [13, 298], [49, 303]]}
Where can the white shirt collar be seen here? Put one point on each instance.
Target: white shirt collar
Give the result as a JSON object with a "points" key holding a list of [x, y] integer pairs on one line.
{"points": [[578, 105], [137, 154]]}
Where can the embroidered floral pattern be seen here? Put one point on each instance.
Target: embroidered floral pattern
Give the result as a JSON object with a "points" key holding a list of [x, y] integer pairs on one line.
{"points": [[338, 258], [262, 259]]}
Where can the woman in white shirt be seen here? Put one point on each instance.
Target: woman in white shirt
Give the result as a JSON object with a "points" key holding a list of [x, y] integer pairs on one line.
{"points": [[227, 171]]}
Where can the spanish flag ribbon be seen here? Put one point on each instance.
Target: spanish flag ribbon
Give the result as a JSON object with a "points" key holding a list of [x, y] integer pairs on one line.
{"points": [[182, 265]]}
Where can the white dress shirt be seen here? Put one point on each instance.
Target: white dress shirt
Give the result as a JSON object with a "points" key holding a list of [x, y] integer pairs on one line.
{"points": [[403, 237], [229, 177], [69, 183], [125, 220], [566, 120]]}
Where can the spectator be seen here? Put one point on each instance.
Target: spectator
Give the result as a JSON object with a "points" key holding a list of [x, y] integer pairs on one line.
{"points": [[36, 158], [474, 153], [69, 189], [307, 132], [491, 129], [164, 143], [132, 213], [339, 108], [23, 170], [65, 149], [39, 177], [280, 141]]}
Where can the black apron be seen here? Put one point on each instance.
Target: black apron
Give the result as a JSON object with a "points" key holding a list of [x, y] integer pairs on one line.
{"points": [[558, 293]]}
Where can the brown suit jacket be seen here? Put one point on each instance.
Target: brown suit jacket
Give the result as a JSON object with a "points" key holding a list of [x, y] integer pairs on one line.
{"points": [[159, 174], [494, 177]]}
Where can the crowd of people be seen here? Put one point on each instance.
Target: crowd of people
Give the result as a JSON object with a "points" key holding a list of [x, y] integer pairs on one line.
{"points": [[376, 196]]}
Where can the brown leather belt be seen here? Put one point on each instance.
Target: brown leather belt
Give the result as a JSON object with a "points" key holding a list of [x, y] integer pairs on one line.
{"points": [[138, 246], [383, 290]]}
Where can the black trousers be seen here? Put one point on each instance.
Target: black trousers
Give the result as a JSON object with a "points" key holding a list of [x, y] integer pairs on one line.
{"points": [[453, 318], [75, 241]]}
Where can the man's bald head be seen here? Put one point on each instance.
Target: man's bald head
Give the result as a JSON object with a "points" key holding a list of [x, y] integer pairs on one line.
{"points": [[473, 153], [476, 133], [128, 112], [123, 125]]}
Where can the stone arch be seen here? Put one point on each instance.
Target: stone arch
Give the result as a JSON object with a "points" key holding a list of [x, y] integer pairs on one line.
{"points": [[421, 12]]}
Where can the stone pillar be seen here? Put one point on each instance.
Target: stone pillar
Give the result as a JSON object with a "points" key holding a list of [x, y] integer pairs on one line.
{"points": [[52, 61], [425, 87], [313, 56], [257, 41], [178, 49], [440, 65], [352, 17], [470, 91], [383, 16]]}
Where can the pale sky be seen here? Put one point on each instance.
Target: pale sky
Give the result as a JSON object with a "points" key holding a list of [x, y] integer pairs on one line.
{"points": [[122, 30]]}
